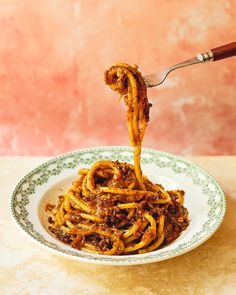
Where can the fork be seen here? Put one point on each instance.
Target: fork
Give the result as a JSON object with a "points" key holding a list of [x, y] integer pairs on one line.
{"points": [[214, 54]]}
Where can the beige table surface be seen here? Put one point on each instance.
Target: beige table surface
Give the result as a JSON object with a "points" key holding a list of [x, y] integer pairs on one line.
{"points": [[26, 268]]}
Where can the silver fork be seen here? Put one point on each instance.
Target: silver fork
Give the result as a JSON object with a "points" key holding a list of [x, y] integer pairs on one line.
{"points": [[214, 54]]}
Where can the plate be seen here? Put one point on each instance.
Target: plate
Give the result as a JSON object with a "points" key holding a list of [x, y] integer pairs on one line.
{"points": [[204, 199]]}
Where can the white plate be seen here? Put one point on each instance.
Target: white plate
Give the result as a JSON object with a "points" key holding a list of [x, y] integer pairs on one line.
{"points": [[204, 199]]}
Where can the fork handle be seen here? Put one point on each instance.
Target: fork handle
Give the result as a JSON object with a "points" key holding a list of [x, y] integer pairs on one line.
{"points": [[224, 51], [218, 53]]}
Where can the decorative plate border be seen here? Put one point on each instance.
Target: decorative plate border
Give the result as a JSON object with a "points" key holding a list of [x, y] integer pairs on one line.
{"points": [[40, 175]]}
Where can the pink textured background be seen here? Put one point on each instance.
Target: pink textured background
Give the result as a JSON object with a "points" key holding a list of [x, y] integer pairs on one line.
{"points": [[53, 54]]}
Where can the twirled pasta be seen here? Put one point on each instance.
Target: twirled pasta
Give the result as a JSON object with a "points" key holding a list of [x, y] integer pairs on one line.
{"points": [[113, 209], [128, 82]]}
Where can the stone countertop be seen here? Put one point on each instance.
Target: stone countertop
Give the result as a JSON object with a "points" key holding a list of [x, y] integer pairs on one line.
{"points": [[27, 268]]}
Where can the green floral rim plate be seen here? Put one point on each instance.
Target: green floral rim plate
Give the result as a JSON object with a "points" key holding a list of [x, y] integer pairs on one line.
{"points": [[204, 199]]}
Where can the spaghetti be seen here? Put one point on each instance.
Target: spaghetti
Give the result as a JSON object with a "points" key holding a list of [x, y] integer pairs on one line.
{"points": [[113, 208]]}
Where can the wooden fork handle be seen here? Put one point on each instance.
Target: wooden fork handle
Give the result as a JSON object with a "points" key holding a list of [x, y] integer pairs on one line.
{"points": [[224, 51]]}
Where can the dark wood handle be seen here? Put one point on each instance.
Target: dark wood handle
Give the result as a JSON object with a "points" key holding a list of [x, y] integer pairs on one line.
{"points": [[224, 51]]}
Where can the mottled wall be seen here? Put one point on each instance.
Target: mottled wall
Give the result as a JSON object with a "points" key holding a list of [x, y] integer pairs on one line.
{"points": [[53, 54]]}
